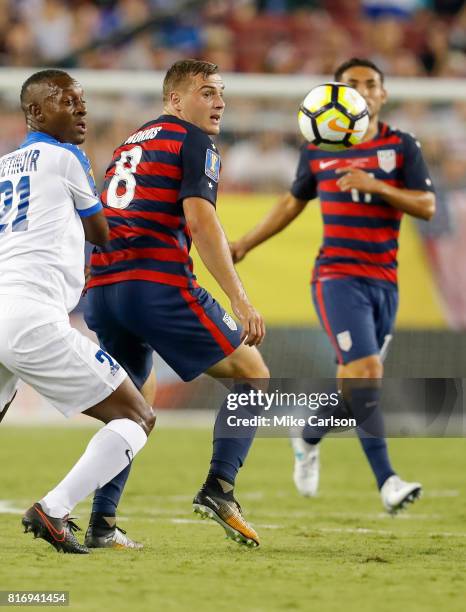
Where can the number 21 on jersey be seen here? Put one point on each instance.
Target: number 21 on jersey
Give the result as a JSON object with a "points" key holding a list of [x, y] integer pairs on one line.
{"points": [[14, 198], [123, 180]]}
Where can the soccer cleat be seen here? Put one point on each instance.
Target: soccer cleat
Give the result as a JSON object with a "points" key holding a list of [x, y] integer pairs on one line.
{"points": [[227, 513], [396, 493], [113, 537], [5, 408], [306, 466], [59, 532]]}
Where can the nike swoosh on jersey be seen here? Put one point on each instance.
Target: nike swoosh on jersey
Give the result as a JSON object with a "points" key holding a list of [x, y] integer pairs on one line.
{"points": [[328, 163]]}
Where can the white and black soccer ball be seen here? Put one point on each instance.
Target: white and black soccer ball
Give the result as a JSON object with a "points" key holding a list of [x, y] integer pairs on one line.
{"points": [[333, 116]]}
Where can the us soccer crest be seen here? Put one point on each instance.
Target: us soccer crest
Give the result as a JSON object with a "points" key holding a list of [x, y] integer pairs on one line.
{"points": [[387, 159], [229, 322], [344, 340], [212, 165]]}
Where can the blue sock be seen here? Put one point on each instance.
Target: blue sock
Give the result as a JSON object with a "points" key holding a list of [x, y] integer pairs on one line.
{"points": [[229, 453], [365, 407], [314, 434], [107, 498]]}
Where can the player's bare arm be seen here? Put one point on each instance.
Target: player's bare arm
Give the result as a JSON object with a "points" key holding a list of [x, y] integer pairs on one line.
{"points": [[212, 245], [414, 202], [96, 228], [281, 215]]}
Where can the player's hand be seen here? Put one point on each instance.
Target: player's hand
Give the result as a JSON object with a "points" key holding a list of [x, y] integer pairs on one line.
{"points": [[355, 178], [251, 321], [238, 251]]}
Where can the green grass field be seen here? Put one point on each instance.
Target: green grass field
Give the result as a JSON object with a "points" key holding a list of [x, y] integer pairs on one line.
{"points": [[336, 552]]}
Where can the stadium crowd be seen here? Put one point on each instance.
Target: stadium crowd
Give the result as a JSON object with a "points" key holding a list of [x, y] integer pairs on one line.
{"points": [[405, 37]]}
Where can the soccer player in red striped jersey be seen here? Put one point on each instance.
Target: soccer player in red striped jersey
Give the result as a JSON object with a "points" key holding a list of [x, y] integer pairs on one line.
{"points": [[159, 196], [363, 194]]}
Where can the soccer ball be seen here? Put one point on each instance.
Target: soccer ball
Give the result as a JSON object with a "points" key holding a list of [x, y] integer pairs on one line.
{"points": [[333, 116]]}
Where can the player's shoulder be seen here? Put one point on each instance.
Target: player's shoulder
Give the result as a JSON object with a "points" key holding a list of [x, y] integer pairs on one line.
{"points": [[65, 152], [73, 150], [55, 151], [310, 150], [168, 129], [171, 128], [200, 146], [162, 126], [405, 138], [196, 136]]}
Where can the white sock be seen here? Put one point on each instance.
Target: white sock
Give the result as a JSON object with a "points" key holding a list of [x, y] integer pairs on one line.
{"points": [[107, 453]]}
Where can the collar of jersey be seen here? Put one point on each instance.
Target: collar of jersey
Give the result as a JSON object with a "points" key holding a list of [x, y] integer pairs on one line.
{"points": [[33, 137], [175, 119]]}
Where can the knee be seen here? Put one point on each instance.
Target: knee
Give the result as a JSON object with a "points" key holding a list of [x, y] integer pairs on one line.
{"points": [[264, 371], [147, 417], [252, 368], [141, 413], [373, 370], [369, 367], [126, 402]]}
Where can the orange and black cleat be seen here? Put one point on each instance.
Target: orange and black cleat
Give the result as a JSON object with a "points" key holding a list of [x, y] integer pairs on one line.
{"points": [[226, 511], [59, 532]]}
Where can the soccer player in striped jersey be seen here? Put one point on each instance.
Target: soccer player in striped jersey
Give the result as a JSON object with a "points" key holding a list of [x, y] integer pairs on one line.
{"points": [[159, 196], [363, 194]]}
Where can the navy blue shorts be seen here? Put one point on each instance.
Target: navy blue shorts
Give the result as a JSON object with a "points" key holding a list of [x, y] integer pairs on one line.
{"points": [[186, 327], [357, 316]]}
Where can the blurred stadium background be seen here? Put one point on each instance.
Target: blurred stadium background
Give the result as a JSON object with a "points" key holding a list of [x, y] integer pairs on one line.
{"points": [[271, 52]]}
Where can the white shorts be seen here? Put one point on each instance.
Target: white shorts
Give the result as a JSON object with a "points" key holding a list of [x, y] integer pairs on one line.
{"points": [[41, 348]]}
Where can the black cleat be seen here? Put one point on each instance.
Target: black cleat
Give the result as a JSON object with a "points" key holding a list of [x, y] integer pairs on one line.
{"points": [[59, 532], [112, 537], [7, 405], [226, 511]]}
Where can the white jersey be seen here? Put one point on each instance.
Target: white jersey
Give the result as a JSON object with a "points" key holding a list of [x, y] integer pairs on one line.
{"points": [[45, 186]]}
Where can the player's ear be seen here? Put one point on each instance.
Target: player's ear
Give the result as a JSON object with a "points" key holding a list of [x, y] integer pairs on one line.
{"points": [[175, 100], [34, 111], [384, 95]]}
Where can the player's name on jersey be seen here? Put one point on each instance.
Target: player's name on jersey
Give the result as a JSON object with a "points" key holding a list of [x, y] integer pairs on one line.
{"points": [[24, 161], [143, 135]]}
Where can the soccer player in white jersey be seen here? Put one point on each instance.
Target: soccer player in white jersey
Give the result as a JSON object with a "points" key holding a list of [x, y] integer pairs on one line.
{"points": [[48, 206]]}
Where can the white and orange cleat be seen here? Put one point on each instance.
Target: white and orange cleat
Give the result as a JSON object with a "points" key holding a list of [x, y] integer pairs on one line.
{"points": [[226, 511]]}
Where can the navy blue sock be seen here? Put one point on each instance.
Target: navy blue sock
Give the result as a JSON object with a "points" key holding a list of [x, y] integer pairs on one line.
{"points": [[107, 498], [365, 407], [229, 453], [314, 434]]}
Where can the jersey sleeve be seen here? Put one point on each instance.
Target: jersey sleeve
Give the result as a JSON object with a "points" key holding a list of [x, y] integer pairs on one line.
{"points": [[415, 172], [201, 168], [80, 181], [304, 186]]}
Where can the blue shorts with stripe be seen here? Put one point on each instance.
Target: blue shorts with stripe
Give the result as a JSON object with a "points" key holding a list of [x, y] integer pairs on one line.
{"points": [[186, 327], [358, 316]]}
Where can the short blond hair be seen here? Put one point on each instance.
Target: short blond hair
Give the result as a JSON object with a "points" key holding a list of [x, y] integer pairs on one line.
{"points": [[183, 70]]}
